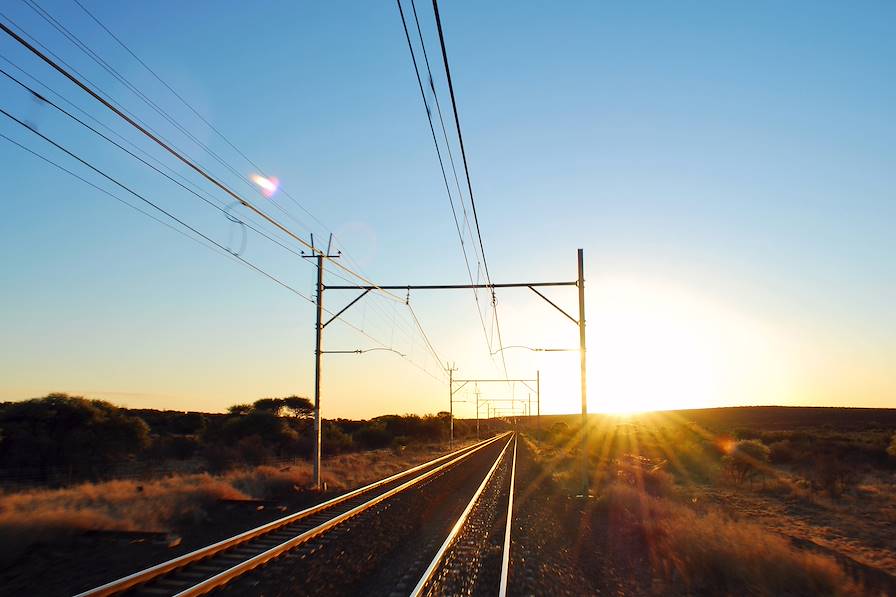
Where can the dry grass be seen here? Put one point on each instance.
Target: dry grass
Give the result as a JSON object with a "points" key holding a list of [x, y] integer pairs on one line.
{"points": [[53, 515], [713, 554], [37, 516]]}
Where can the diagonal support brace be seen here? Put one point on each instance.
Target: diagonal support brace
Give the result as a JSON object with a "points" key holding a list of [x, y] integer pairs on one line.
{"points": [[554, 305], [345, 308]]}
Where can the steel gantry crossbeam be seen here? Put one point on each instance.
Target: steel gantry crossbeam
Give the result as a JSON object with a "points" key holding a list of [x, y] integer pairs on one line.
{"points": [[319, 257]]}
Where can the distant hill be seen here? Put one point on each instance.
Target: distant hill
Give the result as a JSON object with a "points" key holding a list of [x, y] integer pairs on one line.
{"points": [[769, 418]]}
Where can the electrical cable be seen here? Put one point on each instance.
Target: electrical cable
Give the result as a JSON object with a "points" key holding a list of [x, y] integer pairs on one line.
{"points": [[154, 205], [463, 152], [245, 203], [441, 162], [115, 73]]}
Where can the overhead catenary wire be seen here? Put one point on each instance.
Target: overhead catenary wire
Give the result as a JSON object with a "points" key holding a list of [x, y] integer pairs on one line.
{"points": [[100, 91], [211, 127], [74, 39], [413, 338], [463, 153], [135, 156], [212, 244], [444, 129], [410, 337], [439, 155], [196, 112], [178, 155], [107, 192], [244, 202], [460, 137], [273, 236], [180, 97], [153, 205]]}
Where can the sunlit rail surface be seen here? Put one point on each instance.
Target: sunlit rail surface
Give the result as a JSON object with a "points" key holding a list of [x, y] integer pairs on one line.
{"points": [[468, 554]]}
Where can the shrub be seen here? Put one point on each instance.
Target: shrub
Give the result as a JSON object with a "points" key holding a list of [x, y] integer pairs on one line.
{"points": [[68, 433], [714, 555], [746, 459], [335, 440], [782, 452], [176, 447], [833, 474], [373, 436], [641, 473], [219, 457], [253, 450]]}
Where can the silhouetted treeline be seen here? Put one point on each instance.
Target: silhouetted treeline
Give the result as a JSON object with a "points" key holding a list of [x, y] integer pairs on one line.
{"points": [[64, 439]]}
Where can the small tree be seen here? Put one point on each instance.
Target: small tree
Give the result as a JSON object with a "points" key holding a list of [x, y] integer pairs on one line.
{"points": [[298, 407], [746, 459], [293, 406]]}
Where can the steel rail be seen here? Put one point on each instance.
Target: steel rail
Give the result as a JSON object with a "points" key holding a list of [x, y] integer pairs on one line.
{"points": [[226, 576], [505, 555], [147, 575], [455, 530]]}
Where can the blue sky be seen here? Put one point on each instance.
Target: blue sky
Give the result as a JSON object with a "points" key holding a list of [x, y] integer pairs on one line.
{"points": [[728, 169]]}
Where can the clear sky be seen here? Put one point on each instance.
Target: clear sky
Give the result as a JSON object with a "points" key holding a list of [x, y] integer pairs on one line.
{"points": [[728, 168]]}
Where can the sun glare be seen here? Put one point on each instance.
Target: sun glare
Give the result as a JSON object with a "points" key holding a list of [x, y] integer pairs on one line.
{"points": [[656, 346], [663, 348]]}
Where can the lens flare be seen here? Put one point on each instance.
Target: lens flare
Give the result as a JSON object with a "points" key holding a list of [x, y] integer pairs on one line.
{"points": [[268, 186]]}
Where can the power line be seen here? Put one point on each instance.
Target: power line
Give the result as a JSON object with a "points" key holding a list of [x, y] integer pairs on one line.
{"points": [[149, 102], [460, 138], [110, 194], [195, 189], [435, 96], [93, 54], [153, 205], [135, 156], [441, 162], [213, 244], [165, 145], [214, 129], [196, 112], [245, 203]]}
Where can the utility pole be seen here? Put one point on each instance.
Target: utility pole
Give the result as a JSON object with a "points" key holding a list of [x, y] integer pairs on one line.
{"points": [[538, 403], [451, 370], [581, 284], [477, 411], [318, 348]]}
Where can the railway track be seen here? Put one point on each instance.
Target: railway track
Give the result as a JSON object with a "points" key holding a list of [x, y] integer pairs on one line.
{"points": [[298, 546], [475, 557]]}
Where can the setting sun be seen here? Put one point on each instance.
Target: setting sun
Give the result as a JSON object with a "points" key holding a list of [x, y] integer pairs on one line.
{"points": [[658, 347]]}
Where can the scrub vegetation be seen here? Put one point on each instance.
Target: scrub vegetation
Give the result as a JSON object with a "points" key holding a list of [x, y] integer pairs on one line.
{"points": [[71, 464], [62, 440], [761, 501]]}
